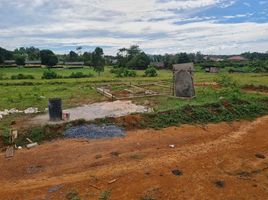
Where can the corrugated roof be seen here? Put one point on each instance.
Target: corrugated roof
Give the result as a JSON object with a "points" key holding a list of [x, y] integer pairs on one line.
{"points": [[33, 62], [74, 63]]}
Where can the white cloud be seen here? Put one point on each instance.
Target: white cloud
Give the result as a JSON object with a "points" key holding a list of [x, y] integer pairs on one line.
{"points": [[120, 23]]}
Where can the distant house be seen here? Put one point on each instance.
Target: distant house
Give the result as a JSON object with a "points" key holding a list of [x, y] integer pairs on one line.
{"points": [[158, 65], [213, 58], [212, 69], [184, 66], [59, 65], [237, 58], [75, 63], [10, 63], [33, 63]]}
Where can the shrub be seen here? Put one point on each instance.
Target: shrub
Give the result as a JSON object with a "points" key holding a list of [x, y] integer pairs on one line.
{"points": [[105, 195], [123, 72], [2, 76], [226, 81], [5, 136], [21, 76], [151, 72], [49, 74]]}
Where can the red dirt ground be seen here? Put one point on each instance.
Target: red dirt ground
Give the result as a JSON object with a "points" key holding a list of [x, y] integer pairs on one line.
{"points": [[142, 163]]}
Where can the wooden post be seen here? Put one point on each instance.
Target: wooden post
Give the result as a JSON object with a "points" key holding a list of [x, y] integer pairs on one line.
{"points": [[173, 89]]}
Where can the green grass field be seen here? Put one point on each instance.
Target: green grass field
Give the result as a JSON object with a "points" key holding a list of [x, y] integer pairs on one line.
{"points": [[21, 94]]}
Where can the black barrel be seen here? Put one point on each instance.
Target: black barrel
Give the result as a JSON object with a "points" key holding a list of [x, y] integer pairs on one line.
{"points": [[54, 109]]}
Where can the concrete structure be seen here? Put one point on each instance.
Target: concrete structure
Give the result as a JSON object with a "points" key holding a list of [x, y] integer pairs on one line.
{"points": [[189, 67], [184, 85], [212, 69]]}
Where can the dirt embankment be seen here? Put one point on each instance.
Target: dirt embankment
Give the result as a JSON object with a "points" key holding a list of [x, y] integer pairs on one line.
{"points": [[208, 162]]}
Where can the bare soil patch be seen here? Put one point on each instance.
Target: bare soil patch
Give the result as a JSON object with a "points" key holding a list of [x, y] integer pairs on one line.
{"points": [[215, 161]]}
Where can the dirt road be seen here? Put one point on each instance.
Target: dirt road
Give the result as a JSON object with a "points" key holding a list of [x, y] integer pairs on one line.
{"points": [[208, 162]]}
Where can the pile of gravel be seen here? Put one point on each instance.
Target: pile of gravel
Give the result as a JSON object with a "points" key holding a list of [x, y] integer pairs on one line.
{"points": [[94, 132]]}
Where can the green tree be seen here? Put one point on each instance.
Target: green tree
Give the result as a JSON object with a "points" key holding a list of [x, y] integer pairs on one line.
{"points": [[98, 60], [87, 57], [48, 58], [20, 60], [1, 59], [73, 56], [139, 61], [32, 53]]}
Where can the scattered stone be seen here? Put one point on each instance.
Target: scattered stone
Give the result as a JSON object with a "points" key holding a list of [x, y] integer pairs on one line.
{"points": [[177, 172], [31, 110], [94, 132], [112, 181], [55, 188], [98, 156], [34, 169], [172, 146], [259, 155], [115, 153], [9, 152], [19, 147], [220, 184], [14, 111]]}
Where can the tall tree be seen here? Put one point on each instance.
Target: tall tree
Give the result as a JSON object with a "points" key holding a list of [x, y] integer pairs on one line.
{"points": [[48, 58], [20, 59], [32, 53], [87, 57], [73, 56], [98, 60]]}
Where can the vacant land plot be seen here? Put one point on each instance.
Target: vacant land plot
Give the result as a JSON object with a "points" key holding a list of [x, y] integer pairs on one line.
{"points": [[149, 164]]}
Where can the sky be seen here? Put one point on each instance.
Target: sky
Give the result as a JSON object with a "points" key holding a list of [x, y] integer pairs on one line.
{"points": [[157, 26]]}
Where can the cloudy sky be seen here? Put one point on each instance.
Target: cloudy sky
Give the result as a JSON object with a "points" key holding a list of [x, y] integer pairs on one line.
{"points": [[157, 26]]}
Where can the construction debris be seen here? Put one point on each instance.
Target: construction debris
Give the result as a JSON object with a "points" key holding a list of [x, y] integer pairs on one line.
{"points": [[112, 181], [29, 146], [177, 172], [30, 110], [259, 155], [94, 132], [9, 152], [29, 140]]}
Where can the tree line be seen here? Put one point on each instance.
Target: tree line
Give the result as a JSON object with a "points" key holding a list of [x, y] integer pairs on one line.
{"points": [[132, 58]]}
